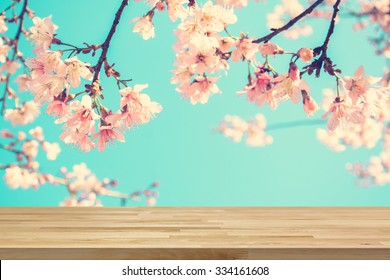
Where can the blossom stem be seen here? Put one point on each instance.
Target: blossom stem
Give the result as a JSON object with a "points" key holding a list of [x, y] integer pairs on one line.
{"points": [[323, 49], [289, 24], [338, 86], [106, 44]]}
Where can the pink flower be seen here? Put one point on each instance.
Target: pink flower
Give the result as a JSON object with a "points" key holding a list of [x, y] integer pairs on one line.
{"points": [[24, 115], [305, 54], [144, 27], [30, 148], [245, 49], [176, 9], [45, 63], [58, 108], [137, 108], [76, 69], [37, 133], [357, 85], [22, 81], [16, 177], [200, 89], [290, 85], [46, 87], [10, 67], [270, 49], [107, 133], [131, 95], [160, 6], [42, 33], [340, 113], [6, 134], [4, 49], [81, 140], [52, 150], [3, 25], [84, 117], [225, 43], [309, 104]]}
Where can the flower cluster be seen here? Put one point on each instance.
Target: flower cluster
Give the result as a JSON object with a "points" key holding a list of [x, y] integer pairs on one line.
{"points": [[375, 13], [377, 171], [52, 80], [201, 52], [24, 172], [83, 186], [360, 101], [236, 128]]}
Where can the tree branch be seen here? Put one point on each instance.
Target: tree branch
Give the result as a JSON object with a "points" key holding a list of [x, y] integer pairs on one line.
{"points": [[15, 45], [289, 24], [106, 43], [324, 60]]}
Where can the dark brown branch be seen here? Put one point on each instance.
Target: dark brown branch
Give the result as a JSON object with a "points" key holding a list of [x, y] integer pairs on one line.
{"points": [[289, 24], [324, 60], [15, 45], [336, 9], [106, 43]]}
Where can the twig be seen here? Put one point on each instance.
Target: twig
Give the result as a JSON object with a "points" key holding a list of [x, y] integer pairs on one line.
{"points": [[106, 43], [289, 24], [15, 44], [324, 61]]}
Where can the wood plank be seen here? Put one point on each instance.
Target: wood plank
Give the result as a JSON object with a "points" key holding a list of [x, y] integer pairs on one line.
{"points": [[195, 233]]}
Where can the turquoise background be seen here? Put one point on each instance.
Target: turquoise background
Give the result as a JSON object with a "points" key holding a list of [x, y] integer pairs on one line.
{"points": [[196, 167]]}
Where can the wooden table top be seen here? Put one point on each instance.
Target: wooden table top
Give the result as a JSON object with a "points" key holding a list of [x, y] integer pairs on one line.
{"points": [[201, 232]]}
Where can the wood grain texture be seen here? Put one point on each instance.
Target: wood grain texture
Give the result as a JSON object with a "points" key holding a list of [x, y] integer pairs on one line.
{"points": [[195, 233]]}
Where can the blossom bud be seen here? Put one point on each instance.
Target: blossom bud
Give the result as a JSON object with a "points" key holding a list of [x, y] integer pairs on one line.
{"points": [[160, 6], [305, 54]]}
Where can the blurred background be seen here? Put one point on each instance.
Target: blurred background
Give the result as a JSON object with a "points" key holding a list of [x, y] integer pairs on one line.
{"points": [[194, 165]]}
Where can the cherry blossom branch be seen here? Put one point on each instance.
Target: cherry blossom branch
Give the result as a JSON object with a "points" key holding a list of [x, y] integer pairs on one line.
{"points": [[15, 46], [323, 59], [289, 24], [82, 185], [105, 46]]}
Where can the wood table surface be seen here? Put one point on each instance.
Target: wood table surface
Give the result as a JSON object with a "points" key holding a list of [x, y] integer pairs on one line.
{"points": [[195, 233]]}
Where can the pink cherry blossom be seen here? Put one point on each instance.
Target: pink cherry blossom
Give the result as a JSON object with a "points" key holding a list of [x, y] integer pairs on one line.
{"points": [[106, 134], [245, 49], [4, 49], [42, 33], [84, 116], [144, 27], [340, 112], [52, 150], [3, 25], [16, 177], [46, 87], [24, 115], [305, 54], [22, 81], [76, 69], [10, 67], [236, 128], [137, 108], [289, 86], [200, 89], [270, 49], [58, 108], [176, 9], [309, 104]]}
